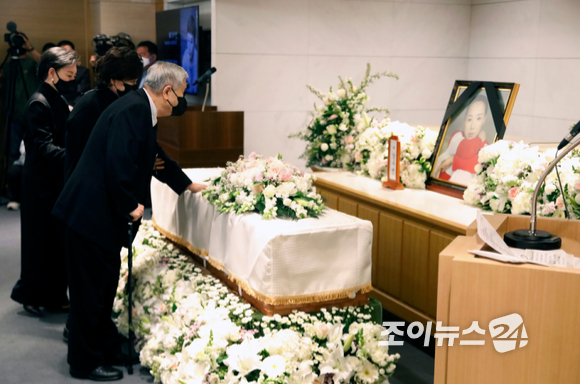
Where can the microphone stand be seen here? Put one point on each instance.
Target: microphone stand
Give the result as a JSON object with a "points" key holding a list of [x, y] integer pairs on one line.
{"points": [[206, 93], [533, 238]]}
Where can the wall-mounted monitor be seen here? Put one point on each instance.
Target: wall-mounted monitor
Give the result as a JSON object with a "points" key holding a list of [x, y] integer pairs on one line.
{"points": [[178, 40]]}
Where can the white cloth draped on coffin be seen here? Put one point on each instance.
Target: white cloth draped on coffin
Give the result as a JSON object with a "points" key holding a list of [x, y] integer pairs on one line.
{"points": [[277, 261]]}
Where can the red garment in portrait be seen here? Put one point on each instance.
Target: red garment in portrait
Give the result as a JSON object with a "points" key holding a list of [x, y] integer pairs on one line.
{"points": [[466, 156]]}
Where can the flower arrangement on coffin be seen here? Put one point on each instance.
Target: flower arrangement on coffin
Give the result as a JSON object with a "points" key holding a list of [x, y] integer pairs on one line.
{"points": [[508, 173], [369, 154], [190, 329], [338, 122], [267, 186]]}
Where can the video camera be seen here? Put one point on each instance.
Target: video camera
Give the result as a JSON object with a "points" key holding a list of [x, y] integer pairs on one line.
{"points": [[102, 43], [14, 40]]}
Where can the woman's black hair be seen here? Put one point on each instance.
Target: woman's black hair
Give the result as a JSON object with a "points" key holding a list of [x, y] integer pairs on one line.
{"points": [[56, 58], [119, 63]]}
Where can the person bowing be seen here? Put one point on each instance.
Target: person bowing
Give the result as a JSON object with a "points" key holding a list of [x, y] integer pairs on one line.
{"points": [[106, 189]]}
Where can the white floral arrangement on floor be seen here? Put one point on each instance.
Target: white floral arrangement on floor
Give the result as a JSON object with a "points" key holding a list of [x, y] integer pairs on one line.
{"points": [[268, 186], [508, 172], [369, 154], [190, 329], [338, 122]]}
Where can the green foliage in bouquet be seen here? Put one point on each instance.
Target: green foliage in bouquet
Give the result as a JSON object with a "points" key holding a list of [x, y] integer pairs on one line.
{"points": [[337, 123]]}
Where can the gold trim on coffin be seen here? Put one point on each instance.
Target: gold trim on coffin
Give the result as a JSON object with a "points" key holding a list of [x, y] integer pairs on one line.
{"points": [[267, 299]]}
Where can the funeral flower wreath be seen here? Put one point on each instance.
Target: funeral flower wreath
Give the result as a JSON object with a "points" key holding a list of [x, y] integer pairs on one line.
{"points": [[268, 186]]}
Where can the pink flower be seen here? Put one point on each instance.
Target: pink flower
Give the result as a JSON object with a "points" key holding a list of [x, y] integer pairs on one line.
{"points": [[577, 187], [358, 156], [258, 188], [285, 175], [513, 192], [560, 202], [548, 209], [414, 139], [332, 117], [253, 156], [323, 161], [349, 139]]}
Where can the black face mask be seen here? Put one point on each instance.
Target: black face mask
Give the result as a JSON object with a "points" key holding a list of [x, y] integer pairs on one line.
{"points": [[181, 106], [128, 88], [65, 87]]}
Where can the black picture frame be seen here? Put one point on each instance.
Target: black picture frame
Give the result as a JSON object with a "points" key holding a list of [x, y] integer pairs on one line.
{"points": [[479, 108]]}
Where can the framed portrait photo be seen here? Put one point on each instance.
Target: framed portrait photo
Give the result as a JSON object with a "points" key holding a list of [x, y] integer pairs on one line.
{"points": [[476, 116]]}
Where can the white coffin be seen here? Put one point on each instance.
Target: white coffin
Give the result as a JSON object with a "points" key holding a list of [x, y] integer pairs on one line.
{"points": [[277, 261]]}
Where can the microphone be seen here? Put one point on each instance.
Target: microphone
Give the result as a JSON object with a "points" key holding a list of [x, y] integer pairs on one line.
{"points": [[573, 132], [11, 26], [205, 76]]}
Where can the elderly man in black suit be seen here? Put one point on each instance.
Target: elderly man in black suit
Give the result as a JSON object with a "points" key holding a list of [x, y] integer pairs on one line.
{"points": [[106, 190]]}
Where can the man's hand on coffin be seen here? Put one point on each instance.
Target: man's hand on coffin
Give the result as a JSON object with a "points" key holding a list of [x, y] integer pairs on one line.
{"points": [[195, 187]]}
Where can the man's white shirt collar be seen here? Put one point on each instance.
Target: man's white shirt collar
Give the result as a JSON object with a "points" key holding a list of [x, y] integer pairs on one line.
{"points": [[153, 108]]}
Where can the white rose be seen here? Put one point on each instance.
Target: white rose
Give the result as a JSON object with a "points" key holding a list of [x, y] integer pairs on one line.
{"points": [[328, 157], [269, 192], [324, 147], [550, 188], [321, 330], [326, 101], [343, 127], [287, 202], [426, 153], [332, 145], [478, 168], [577, 198], [341, 93], [331, 129]]}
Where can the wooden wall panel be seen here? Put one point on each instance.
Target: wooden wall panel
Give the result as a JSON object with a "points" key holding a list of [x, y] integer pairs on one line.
{"points": [[347, 206], [367, 213], [389, 255], [415, 265], [330, 199], [437, 242]]}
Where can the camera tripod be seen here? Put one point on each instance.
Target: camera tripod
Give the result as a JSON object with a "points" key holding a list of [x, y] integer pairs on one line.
{"points": [[15, 71]]}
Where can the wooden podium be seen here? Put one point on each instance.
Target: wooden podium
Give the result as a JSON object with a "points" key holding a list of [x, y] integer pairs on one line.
{"points": [[477, 289], [202, 139]]}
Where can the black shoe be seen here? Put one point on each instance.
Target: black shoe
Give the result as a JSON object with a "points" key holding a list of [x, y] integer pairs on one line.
{"points": [[103, 373], [65, 334], [33, 310], [121, 359]]}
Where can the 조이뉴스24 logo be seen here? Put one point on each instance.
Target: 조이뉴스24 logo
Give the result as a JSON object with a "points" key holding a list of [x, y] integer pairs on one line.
{"points": [[505, 331]]}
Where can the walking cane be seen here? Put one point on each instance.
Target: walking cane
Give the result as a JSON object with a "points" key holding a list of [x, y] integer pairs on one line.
{"points": [[130, 296]]}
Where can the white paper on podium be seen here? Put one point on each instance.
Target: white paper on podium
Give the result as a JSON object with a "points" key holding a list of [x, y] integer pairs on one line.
{"points": [[489, 235]]}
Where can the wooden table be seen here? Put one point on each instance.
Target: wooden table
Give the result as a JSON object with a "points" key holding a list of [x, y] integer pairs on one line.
{"points": [[411, 227]]}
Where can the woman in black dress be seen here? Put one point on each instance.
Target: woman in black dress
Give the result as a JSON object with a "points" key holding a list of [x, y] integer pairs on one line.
{"points": [[43, 277], [116, 74]]}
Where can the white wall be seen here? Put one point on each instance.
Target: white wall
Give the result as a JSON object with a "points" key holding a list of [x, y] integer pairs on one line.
{"points": [[535, 43], [266, 51]]}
